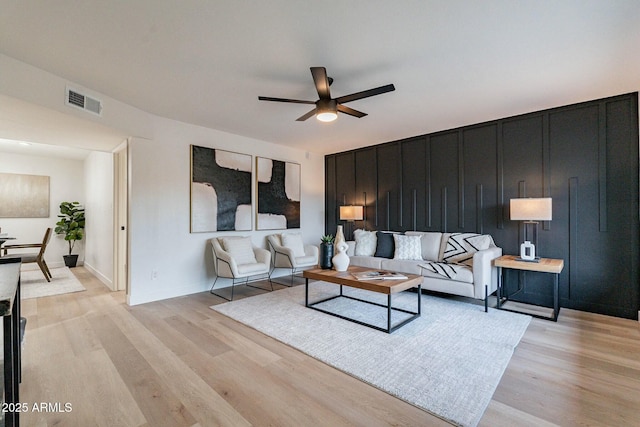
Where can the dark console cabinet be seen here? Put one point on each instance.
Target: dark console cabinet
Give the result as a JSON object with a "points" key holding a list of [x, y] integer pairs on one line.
{"points": [[584, 156], [10, 311]]}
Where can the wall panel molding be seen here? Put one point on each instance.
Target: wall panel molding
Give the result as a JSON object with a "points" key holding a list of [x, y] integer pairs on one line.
{"points": [[584, 156]]}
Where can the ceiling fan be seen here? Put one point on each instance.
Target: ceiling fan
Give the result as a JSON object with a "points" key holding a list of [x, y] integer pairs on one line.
{"points": [[327, 108]]}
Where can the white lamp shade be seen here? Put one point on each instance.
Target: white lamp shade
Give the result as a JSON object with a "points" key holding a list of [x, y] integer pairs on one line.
{"points": [[530, 209], [351, 213]]}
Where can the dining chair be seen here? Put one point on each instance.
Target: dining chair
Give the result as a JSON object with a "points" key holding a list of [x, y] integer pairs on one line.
{"points": [[28, 257]]}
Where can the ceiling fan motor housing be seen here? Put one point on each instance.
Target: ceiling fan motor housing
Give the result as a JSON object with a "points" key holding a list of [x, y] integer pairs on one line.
{"points": [[327, 105]]}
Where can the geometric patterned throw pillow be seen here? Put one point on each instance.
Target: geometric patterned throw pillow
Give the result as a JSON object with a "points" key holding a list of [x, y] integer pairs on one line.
{"points": [[407, 247], [461, 247]]}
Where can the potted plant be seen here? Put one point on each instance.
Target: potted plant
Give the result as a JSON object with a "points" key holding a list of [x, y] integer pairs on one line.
{"points": [[71, 224], [326, 251]]}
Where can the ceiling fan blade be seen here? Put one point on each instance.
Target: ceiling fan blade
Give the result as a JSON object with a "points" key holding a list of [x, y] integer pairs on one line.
{"points": [[350, 111], [306, 116], [322, 82], [295, 101], [365, 94]]}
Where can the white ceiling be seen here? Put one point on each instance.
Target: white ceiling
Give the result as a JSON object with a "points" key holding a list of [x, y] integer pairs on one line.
{"points": [[453, 63]]}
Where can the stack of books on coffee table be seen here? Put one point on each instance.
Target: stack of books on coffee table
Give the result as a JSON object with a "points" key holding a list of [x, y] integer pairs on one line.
{"points": [[378, 275]]}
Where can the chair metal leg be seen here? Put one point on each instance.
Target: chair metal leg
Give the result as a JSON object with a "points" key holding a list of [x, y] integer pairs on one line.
{"points": [[233, 284], [281, 283], [258, 287], [222, 296]]}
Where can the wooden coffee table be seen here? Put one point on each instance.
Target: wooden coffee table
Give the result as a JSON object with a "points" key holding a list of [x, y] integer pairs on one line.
{"points": [[387, 287]]}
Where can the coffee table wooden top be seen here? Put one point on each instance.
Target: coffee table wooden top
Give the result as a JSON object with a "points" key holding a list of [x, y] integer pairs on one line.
{"points": [[380, 286]]}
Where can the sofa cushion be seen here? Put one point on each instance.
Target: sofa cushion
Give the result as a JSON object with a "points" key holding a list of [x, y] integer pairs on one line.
{"points": [[461, 247], [407, 247], [365, 242], [384, 246], [441, 270], [430, 242], [367, 262], [401, 266]]}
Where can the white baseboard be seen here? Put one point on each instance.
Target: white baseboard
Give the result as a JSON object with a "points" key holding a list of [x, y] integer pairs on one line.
{"points": [[104, 279]]}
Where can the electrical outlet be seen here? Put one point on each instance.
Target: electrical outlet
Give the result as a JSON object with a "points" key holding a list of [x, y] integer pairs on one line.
{"points": [[154, 274]]}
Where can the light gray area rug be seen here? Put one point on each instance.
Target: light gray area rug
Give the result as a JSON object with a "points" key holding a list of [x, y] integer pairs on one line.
{"points": [[447, 362], [34, 285]]}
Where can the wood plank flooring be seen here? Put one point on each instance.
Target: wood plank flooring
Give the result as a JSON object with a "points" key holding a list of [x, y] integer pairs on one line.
{"points": [[178, 363]]}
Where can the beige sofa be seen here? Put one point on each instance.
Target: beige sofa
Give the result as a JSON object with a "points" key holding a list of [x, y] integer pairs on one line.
{"points": [[443, 262]]}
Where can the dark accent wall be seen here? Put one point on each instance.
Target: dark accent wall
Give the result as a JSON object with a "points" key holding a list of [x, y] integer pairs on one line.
{"points": [[584, 156]]}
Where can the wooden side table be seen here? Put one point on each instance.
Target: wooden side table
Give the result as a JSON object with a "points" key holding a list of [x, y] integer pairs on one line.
{"points": [[545, 265]]}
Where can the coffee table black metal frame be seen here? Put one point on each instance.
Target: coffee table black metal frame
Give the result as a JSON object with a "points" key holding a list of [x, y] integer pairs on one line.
{"points": [[389, 329]]}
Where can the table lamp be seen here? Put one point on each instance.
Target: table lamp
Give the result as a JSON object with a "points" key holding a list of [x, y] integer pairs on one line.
{"points": [[530, 210], [351, 213]]}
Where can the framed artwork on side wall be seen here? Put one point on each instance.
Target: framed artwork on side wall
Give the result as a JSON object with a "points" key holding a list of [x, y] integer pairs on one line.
{"points": [[278, 198], [220, 190], [24, 196]]}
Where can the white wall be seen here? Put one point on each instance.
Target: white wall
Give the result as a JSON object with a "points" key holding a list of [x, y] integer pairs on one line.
{"points": [[66, 184], [159, 212], [159, 183], [98, 179]]}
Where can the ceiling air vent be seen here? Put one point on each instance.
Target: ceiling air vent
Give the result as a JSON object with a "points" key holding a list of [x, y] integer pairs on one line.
{"points": [[84, 102]]}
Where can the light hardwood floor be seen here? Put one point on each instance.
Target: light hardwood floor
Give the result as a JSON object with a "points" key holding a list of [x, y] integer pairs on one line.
{"points": [[179, 363]]}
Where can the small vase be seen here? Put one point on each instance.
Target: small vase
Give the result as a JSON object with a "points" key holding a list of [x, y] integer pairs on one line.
{"points": [[326, 253], [339, 236], [341, 259]]}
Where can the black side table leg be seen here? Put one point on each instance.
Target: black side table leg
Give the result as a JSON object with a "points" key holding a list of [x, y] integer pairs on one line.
{"points": [[499, 290], [556, 302], [389, 313]]}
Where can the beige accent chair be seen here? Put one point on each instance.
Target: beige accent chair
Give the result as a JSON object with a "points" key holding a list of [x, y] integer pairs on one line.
{"points": [[289, 251], [37, 257], [236, 258]]}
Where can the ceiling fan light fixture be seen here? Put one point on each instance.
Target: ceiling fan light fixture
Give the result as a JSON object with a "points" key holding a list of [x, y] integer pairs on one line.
{"points": [[326, 110], [326, 116]]}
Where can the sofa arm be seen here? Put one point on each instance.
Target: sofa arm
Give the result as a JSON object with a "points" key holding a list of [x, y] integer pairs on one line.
{"points": [[484, 273]]}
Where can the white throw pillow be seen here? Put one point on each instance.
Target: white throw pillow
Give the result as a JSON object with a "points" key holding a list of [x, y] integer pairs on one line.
{"points": [[293, 241], [365, 242], [407, 247], [240, 249]]}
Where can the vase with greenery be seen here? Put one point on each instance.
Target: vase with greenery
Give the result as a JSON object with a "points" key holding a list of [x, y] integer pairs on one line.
{"points": [[326, 251], [71, 224]]}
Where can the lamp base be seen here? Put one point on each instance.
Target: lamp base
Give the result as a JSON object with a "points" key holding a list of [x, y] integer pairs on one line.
{"points": [[536, 259]]}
